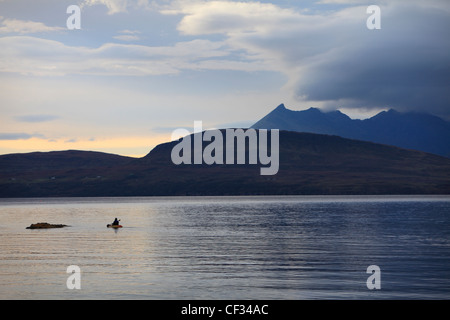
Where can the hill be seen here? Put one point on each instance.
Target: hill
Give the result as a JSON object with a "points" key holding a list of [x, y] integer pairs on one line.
{"points": [[309, 164]]}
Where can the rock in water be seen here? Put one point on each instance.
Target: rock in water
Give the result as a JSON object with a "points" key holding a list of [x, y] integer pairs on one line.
{"points": [[45, 225]]}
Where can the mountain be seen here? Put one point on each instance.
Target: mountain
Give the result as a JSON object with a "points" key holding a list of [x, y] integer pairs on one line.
{"points": [[37, 163], [308, 164], [417, 131]]}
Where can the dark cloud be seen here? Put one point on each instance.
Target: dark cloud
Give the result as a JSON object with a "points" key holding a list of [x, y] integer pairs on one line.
{"points": [[405, 65], [332, 57]]}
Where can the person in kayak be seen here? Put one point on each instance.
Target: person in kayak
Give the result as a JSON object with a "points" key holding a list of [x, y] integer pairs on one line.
{"points": [[116, 222]]}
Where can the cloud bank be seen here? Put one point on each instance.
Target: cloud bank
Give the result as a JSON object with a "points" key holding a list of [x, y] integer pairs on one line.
{"points": [[20, 136], [116, 6], [333, 58], [329, 57], [24, 27], [43, 57]]}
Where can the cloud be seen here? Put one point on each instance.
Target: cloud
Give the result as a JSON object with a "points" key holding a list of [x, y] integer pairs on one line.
{"points": [[42, 57], [117, 6], [332, 58], [227, 17], [404, 65], [329, 57], [128, 35], [126, 31], [368, 2], [20, 136], [25, 27], [36, 118]]}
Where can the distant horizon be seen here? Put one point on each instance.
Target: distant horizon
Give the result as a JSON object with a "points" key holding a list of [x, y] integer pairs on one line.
{"points": [[367, 116], [166, 137]]}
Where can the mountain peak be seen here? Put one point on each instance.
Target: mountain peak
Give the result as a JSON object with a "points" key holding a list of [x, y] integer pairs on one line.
{"points": [[280, 108], [313, 110], [424, 132]]}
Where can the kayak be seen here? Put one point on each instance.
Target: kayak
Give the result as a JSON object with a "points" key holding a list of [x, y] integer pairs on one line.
{"points": [[114, 226]]}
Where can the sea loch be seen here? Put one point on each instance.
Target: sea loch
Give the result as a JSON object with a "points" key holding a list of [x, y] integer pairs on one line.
{"points": [[227, 248]]}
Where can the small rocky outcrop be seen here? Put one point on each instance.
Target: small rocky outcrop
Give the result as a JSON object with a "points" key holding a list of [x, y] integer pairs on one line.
{"points": [[45, 225]]}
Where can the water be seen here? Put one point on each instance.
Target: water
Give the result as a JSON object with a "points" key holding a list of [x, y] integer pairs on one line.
{"points": [[297, 247]]}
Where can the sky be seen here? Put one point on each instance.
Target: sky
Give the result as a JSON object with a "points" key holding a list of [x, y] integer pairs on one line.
{"points": [[137, 70]]}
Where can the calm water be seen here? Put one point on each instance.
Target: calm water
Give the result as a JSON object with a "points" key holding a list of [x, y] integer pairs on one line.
{"points": [[227, 248]]}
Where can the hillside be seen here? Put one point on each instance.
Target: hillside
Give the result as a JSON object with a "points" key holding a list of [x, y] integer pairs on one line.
{"points": [[309, 164]]}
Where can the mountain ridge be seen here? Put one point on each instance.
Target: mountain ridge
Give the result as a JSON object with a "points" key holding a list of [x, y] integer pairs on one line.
{"points": [[417, 131], [309, 164]]}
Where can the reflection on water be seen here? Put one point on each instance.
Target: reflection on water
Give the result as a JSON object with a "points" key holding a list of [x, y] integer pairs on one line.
{"points": [[227, 248]]}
